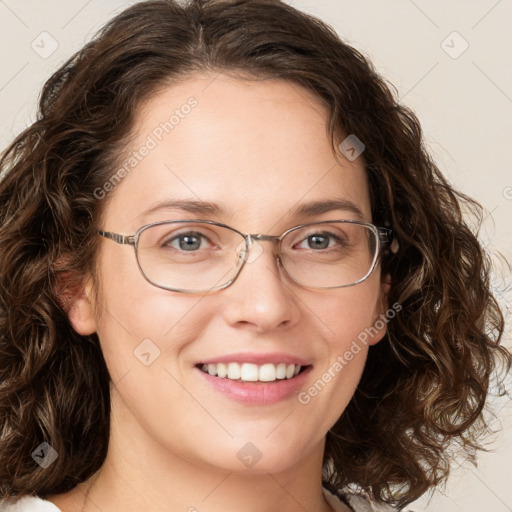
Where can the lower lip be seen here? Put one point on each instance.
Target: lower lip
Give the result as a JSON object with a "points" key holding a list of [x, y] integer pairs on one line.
{"points": [[257, 393]]}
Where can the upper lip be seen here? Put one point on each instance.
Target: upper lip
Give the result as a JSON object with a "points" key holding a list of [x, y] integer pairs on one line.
{"points": [[259, 359]]}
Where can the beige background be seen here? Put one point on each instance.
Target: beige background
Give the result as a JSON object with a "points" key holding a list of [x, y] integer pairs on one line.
{"points": [[463, 96]]}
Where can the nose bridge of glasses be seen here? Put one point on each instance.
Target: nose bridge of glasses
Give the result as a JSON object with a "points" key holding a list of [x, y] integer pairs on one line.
{"points": [[250, 251], [265, 238], [268, 238]]}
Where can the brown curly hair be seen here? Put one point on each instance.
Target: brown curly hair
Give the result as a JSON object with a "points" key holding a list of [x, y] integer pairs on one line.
{"points": [[424, 385]]}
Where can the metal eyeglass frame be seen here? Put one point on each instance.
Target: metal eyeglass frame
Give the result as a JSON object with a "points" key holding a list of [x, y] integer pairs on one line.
{"points": [[384, 237]]}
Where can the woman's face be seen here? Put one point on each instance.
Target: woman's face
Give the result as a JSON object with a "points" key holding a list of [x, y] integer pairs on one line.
{"points": [[259, 150]]}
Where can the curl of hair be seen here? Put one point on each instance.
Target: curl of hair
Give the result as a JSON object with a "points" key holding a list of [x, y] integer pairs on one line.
{"points": [[425, 384]]}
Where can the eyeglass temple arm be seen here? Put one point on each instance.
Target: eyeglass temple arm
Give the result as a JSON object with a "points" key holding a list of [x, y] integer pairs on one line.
{"points": [[388, 241], [119, 239], [385, 235]]}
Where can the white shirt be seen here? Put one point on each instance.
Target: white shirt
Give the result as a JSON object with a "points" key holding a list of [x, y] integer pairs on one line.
{"points": [[28, 504]]}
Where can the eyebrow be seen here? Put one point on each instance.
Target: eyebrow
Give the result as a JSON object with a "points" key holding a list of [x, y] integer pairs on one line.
{"points": [[192, 206], [304, 210], [319, 207]]}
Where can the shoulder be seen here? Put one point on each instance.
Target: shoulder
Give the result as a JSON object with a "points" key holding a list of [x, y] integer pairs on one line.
{"points": [[361, 503], [27, 504], [357, 502]]}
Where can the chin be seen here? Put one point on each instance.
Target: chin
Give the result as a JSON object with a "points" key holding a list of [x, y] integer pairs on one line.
{"points": [[255, 457]]}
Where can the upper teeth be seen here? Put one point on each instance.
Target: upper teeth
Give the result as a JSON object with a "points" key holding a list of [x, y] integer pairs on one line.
{"points": [[252, 372]]}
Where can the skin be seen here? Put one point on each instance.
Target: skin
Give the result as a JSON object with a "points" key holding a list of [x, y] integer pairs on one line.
{"points": [[258, 149]]}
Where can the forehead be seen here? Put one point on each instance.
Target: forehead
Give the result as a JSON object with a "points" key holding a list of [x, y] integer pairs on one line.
{"points": [[258, 149]]}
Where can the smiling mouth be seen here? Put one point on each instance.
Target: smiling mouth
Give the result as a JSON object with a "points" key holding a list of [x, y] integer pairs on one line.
{"points": [[249, 372]]}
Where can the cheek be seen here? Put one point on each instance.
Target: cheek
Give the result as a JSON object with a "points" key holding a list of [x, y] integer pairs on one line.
{"points": [[139, 324], [348, 321], [352, 314]]}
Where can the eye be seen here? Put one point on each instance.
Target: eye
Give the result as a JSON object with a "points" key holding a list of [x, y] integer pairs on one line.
{"points": [[319, 241], [189, 241]]}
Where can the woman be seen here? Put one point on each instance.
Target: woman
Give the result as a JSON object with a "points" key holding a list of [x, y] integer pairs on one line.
{"points": [[288, 330]]}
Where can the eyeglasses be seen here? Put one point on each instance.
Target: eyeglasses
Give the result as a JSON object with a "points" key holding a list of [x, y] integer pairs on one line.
{"points": [[194, 256]]}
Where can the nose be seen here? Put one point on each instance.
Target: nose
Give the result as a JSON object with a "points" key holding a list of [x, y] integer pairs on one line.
{"points": [[261, 298]]}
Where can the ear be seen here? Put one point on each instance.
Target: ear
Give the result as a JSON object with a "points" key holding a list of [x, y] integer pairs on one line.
{"points": [[76, 300], [381, 317], [81, 310]]}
